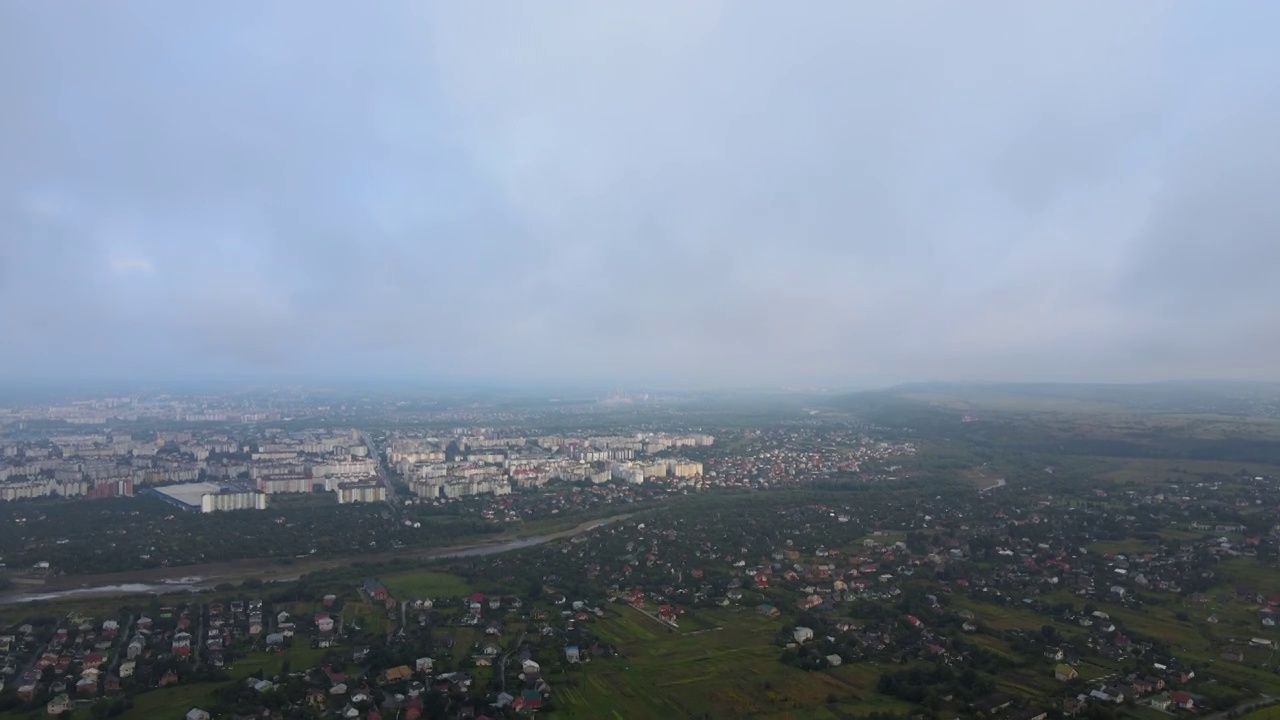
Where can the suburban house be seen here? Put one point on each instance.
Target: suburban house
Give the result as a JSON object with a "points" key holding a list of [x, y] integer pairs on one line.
{"points": [[58, 705], [374, 590], [1065, 673]]}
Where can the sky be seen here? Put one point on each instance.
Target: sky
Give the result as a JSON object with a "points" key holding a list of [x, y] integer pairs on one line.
{"points": [[697, 191]]}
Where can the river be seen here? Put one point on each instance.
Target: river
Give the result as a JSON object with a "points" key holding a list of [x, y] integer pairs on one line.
{"points": [[195, 580]]}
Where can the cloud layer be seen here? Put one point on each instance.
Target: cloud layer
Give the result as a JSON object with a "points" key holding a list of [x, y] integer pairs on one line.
{"points": [[714, 191]]}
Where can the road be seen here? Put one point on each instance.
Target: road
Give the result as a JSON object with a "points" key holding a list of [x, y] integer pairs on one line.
{"points": [[208, 575], [393, 498], [502, 659]]}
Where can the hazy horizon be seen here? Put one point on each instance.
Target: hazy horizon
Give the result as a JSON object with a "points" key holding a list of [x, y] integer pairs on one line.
{"points": [[714, 194]]}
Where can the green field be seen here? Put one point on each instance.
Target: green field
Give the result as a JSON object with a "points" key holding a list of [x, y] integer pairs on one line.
{"points": [[732, 671], [171, 703], [425, 584], [1267, 713], [1130, 546]]}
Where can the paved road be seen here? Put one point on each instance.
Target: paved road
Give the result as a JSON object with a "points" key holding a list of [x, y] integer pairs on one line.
{"points": [[392, 496]]}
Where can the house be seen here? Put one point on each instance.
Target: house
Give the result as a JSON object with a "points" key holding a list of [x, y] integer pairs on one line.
{"points": [[135, 648], [529, 699], [571, 654], [1065, 673], [529, 666], [395, 674], [375, 590], [58, 705], [802, 634], [1162, 702], [169, 678], [275, 639], [834, 660], [197, 714], [1233, 654], [423, 665], [1182, 700], [316, 698]]}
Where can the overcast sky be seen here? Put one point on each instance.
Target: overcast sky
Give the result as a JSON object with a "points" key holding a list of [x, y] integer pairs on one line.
{"points": [[728, 192]]}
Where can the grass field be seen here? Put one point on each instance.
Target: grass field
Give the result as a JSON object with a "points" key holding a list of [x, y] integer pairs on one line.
{"points": [[425, 584], [728, 672], [1128, 546], [1262, 578], [1267, 713], [1155, 471]]}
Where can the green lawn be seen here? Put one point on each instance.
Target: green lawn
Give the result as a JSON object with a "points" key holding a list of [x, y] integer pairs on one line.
{"points": [[301, 657], [425, 584]]}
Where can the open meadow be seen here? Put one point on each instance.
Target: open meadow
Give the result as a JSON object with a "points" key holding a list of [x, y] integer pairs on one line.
{"points": [[730, 669]]}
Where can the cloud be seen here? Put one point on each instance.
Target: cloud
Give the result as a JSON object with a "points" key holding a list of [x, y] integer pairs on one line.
{"points": [[716, 192], [131, 266]]}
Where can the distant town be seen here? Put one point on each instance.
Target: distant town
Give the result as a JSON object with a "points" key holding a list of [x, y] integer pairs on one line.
{"points": [[376, 558]]}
